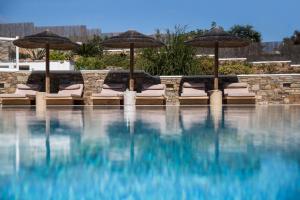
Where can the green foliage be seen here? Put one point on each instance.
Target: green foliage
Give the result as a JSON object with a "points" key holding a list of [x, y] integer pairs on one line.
{"points": [[174, 59], [246, 32], [89, 63], [36, 54], [204, 65], [107, 60], [60, 55], [235, 68], [294, 39], [116, 60], [24, 55], [92, 48]]}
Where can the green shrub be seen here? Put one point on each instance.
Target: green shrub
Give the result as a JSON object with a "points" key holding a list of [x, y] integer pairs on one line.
{"points": [[91, 48], [116, 60], [89, 63], [234, 69], [59, 55], [175, 58], [202, 66]]}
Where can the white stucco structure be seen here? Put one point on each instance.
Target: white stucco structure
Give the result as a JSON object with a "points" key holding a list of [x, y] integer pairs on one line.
{"points": [[36, 66]]}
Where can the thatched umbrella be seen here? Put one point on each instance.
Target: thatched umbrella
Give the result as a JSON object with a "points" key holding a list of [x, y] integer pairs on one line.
{"points": [[132, 39], [47, 40], [217, 38]]}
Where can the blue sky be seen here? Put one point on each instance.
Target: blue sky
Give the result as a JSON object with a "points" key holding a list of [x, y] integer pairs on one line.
{"points": [[275, 19]]}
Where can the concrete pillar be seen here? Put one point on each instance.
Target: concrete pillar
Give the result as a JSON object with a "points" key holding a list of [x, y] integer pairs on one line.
{"points": [[215, 97], [129, 98], [40, 103], [216, 107]]}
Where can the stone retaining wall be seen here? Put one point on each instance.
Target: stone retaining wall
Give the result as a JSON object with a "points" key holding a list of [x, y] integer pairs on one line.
{"points": [[269, 89]]}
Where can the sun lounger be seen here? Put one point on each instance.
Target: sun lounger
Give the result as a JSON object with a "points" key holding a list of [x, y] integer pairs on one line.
{"points": [[193, 94], [24, 95], [67, 95], [111, 94], [151, 95], [238, 93]]}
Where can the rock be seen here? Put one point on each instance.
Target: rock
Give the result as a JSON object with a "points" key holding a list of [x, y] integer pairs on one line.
{"points": [[255, 87]]}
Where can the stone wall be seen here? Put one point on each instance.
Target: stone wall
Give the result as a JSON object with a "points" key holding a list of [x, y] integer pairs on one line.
{"points": [[269, 89], [5, 48]]}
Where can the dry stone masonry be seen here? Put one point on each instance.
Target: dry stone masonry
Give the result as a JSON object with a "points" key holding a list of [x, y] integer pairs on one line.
{"points": [[269, 88]]}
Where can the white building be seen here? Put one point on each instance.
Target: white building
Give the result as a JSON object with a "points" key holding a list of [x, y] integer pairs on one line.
{"points": [[36, 66], [33, 65]]}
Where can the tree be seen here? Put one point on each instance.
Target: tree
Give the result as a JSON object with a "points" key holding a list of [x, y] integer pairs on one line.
{"points": [[92, 48], [247, 32], [290, 48], [35, 54], [175, 58], [296, 37]]}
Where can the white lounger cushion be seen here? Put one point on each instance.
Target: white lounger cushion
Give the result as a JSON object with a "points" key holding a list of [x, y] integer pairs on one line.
{"points": [[109, 93], [157, 90], [154, 87], [28, 87], [151, 93], [238, 92], [111, 90], [69, 87], [74, 90], [114, 86], [22, 91], [12, 96], [56, 95], [237, 85], [25, 92], [193, 92], [193, 85]]}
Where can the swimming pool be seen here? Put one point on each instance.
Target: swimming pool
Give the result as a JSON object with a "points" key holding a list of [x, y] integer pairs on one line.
{"points": [[150, 153]]}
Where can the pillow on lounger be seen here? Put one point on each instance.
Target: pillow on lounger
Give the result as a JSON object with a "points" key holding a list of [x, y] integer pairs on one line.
{"points": [[154, 87], [110, 92], [193, 92], [113, 86], [237, 85], [151, 93], [193, 85], [28, 87], [71, 90], [238, 92], [69, 86]]}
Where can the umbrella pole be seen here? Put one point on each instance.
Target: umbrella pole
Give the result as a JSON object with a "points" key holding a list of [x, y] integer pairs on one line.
{"points": [[131, 80], [216, 69], [47, 82]]}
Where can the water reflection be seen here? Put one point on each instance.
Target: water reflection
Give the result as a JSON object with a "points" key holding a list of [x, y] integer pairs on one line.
{"points": [[200, 149]]}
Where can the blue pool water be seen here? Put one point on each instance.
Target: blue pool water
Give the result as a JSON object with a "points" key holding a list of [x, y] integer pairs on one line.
{"points": [[150, 153]]}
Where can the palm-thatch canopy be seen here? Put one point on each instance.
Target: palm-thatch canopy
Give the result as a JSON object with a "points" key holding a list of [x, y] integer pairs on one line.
{"points": [[217, 35], [40, 40], [47, 40], [124, 40], [217, 38], [132, 39]]}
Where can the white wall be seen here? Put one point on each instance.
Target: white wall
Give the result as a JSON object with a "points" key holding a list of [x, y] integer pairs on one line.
{"points": [[38, 66]]}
